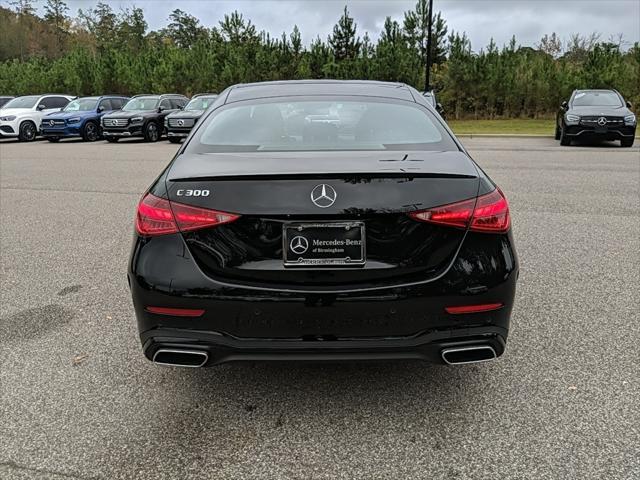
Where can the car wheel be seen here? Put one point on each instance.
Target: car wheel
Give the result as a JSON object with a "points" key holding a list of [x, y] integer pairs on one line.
{"points": [[564, 139], [626, 142], [90, 132], [174, 139], [27, 131], [53, 139], [151, 132], [557, 136], [112, 139]]}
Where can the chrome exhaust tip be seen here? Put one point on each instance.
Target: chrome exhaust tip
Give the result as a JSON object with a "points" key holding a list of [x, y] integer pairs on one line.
{"points": [[471, 354], [180, 358]]}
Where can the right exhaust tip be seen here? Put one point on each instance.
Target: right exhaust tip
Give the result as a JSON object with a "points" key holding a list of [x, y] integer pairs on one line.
{"points": [[180, 358], [470, 354]]}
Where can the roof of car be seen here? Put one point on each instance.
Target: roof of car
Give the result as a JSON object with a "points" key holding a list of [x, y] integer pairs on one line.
{"points": [[596, 90], [290, 88], [179, 95]]}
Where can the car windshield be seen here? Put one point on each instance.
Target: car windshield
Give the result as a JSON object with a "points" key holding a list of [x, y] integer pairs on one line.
{"points": [[141, 103], [597, 99], [81, 105], [312, 125], [22, 102], [199, 103]]}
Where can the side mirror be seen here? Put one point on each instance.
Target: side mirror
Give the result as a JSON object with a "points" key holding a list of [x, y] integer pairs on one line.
{"points": [[181, 107], [439, 107], [564, 105], [161, 109], [101, 109], [629, 104], [41, 107]]}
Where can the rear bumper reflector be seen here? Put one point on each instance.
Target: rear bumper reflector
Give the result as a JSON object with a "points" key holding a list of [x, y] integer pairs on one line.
{"points": [[176, 312], [462, 309]]}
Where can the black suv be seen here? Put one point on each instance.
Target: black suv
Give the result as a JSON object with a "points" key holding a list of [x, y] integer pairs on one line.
{"points": [[142, 116], [179, 124], [601, 114]]}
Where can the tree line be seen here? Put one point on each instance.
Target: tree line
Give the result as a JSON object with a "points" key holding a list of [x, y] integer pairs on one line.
{"points": [[100, 50]]}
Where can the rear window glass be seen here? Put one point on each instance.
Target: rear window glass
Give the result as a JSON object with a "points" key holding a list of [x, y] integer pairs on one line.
{"points": [[312, 125]]}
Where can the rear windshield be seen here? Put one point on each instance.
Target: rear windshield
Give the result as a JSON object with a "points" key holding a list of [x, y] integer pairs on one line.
{"points": [[22, 102], [317, 125], [141, 103], [597, 99], [81, 105]]}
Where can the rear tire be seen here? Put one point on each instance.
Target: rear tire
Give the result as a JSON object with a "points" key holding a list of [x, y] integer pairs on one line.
{"points": [[90, 132], [112, 139], [152, 132], [174, 139], [557, 136], [564, 140], [53, 139], [27, 131], [626, 142]]}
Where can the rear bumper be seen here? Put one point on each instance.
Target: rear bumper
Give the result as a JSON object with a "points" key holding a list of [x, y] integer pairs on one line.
{"points": [[248, 323], [222, 349]]}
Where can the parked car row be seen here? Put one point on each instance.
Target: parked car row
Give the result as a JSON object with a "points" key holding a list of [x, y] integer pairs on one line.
{"points": [[57, 116]]}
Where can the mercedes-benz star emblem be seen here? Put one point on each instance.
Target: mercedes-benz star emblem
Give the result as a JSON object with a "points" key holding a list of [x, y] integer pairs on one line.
{"points": [[602, 121], [52, 123], [323, 195], [181, 122], [299, 245]]}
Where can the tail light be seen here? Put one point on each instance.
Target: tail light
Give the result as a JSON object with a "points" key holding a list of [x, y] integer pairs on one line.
{"points": [[157, 216], [484, 307], [487, 213]]}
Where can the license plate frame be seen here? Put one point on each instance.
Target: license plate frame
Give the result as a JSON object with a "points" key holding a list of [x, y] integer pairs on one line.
{"points": [[310, 231]]}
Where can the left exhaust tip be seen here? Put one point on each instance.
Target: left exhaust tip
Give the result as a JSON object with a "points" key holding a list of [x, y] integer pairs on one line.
{"points": [[181, 358], [470, 354]]}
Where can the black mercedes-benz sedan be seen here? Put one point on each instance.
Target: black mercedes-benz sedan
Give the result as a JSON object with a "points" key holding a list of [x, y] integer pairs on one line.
{"points": [[596, 114], [322, 220]]}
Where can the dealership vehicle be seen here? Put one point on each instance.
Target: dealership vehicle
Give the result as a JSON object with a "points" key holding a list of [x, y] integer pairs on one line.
{"points": [[430, 96], [22, 116], [282, 230], [142, 116], [4, 99], [179, 124], [596, 114], [80, 118]]}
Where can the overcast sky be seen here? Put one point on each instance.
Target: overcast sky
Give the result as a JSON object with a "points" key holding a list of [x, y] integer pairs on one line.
{"points": [[481, 19]]}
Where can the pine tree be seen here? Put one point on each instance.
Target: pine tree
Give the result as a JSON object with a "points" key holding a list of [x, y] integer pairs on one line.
{"points": [[344, 42]]}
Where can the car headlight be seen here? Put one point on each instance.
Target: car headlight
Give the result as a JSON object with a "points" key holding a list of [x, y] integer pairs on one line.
{"points": [[569, 117], [10, 118], [630, 119], [73, 120], [136, 119]]}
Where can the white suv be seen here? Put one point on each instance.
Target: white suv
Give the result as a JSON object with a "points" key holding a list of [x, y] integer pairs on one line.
{"points": [[21, 116]]}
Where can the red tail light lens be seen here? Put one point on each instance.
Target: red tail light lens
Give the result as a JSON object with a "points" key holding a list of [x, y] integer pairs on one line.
{"points": [[491, 213], [487, 213], [176, 312], [156, 216], [462, 309]]}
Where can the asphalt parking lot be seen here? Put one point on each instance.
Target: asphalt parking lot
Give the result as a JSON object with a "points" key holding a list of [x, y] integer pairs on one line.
{"points": [[79, 401]]}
